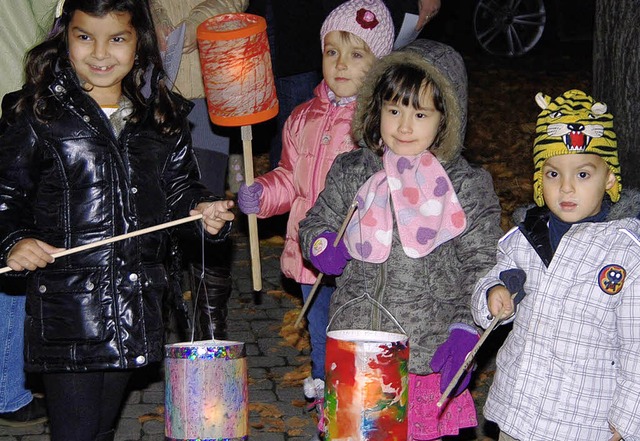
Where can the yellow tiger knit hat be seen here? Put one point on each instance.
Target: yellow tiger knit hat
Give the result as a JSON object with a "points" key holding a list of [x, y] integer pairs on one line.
{"points": [[574, 123]]}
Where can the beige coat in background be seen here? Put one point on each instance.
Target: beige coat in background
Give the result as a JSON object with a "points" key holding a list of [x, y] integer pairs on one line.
{"points": [[22, 25], [169, 14]]}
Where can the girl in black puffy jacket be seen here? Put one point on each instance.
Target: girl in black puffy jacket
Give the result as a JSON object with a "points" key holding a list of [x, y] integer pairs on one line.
{"points": [[86, 153]]}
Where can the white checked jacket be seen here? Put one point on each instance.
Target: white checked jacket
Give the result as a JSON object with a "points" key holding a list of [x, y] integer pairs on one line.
{"points": [[571, 364]]}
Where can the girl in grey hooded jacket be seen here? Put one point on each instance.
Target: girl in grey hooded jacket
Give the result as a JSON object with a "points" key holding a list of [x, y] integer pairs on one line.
{"points": [[430, 291]]}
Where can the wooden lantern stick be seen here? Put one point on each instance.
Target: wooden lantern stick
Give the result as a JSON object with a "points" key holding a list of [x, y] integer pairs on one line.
{"points": [[315, 286], [247, 153], [470, 356], [98, 243]]}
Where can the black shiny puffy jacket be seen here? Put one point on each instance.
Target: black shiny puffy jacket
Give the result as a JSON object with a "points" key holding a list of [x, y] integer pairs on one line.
{"points": [[70, 182]]}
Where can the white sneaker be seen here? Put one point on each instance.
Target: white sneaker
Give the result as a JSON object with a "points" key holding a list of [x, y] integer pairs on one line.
{"points": [[309, 389], [314, 393], [319, 387]]}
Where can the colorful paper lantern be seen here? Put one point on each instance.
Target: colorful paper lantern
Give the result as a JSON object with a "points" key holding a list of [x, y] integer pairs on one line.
{"points": [[367, 385], [206, 391], [236, 69], [239, 87]]}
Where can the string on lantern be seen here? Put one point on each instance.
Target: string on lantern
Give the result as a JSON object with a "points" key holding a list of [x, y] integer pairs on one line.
{"points": [[240, 90]]}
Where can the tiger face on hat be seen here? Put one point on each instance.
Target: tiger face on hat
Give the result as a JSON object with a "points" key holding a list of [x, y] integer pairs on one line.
{"points": [[574, 123]]}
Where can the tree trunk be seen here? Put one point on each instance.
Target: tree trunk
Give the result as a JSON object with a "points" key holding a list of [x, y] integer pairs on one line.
{"points": [[616, 77]]}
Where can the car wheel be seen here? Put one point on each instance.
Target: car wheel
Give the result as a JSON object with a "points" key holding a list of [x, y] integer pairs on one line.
{"points": [[508, 27]]}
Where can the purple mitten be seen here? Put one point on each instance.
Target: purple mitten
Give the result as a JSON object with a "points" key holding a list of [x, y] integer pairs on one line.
{"points": [[328, 259], [249, 198], [451, 355]]}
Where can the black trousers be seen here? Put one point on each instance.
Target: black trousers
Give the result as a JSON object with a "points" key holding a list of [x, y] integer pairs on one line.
{"points": [[84, 406]]}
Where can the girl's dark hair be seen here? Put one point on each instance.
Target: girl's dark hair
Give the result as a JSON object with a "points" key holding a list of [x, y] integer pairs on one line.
{"points": [[44, 59], [403, 84]]}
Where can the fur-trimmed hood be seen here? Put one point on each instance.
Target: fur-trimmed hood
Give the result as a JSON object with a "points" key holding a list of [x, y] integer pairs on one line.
{"points": [[448, 71]]}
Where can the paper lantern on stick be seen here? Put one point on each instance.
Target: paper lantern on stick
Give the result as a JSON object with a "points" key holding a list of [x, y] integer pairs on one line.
{"points": [[239, 86]]}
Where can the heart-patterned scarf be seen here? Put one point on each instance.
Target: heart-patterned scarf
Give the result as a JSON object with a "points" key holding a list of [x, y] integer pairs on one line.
{"points": [[418, 192]]}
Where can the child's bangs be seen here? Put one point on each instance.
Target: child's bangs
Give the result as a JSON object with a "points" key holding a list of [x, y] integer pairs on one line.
{"points": [[405, 86]]}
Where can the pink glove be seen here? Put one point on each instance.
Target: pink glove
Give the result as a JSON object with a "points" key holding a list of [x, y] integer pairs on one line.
{"points": [[249, 198], [328, 259], [451, 354]]}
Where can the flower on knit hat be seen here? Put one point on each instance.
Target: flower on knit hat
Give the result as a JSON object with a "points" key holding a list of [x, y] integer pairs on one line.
{"points": [[367, 19]]}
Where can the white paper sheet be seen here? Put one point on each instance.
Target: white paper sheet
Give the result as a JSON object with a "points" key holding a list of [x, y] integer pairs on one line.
{"points": [[408, 31], [172, 56]]}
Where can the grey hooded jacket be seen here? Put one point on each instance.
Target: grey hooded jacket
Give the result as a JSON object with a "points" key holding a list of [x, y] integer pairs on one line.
{"points": [[428, 294]]}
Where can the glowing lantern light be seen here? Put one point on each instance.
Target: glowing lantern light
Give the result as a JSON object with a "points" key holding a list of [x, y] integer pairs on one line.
{"points": [[367, 385], [206, 391]]}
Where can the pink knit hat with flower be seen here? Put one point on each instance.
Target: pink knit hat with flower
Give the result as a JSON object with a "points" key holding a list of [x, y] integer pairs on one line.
{"points": [[368, 19]]}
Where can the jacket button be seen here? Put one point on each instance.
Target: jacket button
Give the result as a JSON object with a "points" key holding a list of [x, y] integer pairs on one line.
{"points": [[326, 139], [140, 359], [58, 88], [42, 289], [86, 118], [133, 277], [134, 190], [89, 286]]}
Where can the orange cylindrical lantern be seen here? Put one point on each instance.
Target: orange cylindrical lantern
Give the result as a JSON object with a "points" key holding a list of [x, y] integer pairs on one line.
{"points": [[236, 69]]}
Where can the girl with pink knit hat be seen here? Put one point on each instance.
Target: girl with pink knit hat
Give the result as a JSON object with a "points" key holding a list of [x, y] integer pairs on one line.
{"points": [[353, 36]]}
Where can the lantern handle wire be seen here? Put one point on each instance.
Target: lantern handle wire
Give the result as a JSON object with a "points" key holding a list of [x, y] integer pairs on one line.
{"points": [[200, 289], [376, 303], [315, 286]]}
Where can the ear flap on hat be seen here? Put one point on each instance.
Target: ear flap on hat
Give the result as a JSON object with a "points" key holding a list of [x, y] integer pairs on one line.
{"points": [[599, 108]]}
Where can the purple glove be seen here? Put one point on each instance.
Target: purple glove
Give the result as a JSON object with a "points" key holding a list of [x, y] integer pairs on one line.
{"points": [[451, 355], [328, 259], [249, 198]]}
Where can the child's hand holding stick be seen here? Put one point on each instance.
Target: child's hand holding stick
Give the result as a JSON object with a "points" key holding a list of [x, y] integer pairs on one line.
{"points": [[315, 286], [514, 287], [98, 243]]}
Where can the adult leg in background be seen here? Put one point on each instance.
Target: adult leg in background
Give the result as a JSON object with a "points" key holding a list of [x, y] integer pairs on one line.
{"points": [[210, 290]]}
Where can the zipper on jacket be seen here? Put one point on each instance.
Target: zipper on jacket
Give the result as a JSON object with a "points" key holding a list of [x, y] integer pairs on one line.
{"points": [[328, 122], [378, 294]]}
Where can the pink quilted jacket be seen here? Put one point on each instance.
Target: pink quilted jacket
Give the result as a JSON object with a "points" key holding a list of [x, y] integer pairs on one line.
{"points": [[316, 132]]}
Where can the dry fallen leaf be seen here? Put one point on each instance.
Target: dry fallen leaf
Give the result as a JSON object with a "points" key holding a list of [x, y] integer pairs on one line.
{"points": [[158, 415]]}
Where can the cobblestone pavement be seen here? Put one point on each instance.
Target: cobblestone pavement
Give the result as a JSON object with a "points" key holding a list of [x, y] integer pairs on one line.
{"points": [[278, 359]]}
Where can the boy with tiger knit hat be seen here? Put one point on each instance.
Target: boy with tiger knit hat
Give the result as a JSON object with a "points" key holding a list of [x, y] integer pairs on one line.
{"points": [[568, 277]]}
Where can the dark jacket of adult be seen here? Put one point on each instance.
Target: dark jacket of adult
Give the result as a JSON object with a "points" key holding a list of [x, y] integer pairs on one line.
{"points": [[72, 181]]}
